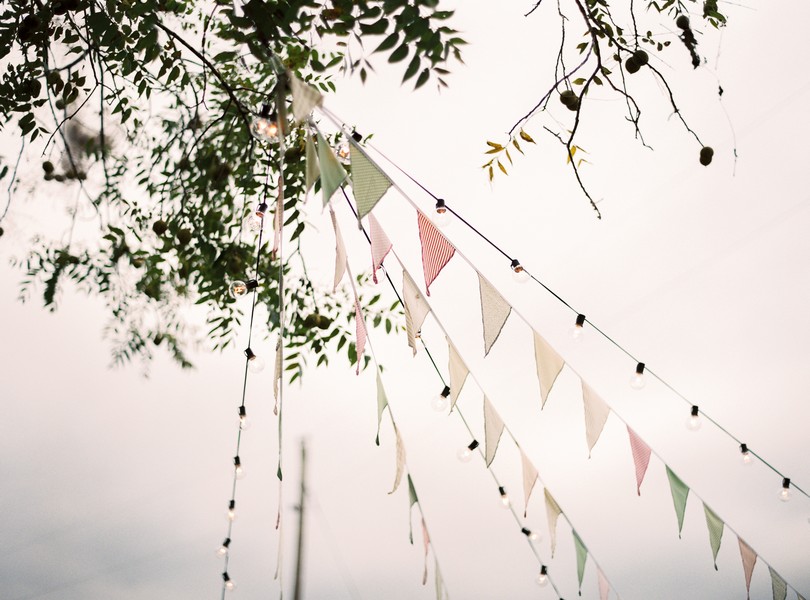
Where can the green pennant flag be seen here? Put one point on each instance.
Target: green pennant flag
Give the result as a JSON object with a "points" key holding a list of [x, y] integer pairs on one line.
{"points": [[715, 526], [582, 556], [313, 170], [778, 584], [369, 183], [382, 402], [413, 500], [679, 495], [332, 172]]}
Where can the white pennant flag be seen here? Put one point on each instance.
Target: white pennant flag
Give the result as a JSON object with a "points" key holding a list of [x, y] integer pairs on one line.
{"points": [[596, 414], [400, 460], [380, 245], [340, 252], [458, 373], [313, 169], [553, 512], [416, 309], [529, 479], [549, 365], [382, 402], [493, 428], [304, 97], [494, 312]]}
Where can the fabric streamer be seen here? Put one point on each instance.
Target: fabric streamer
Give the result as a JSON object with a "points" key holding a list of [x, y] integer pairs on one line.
{"points": [[493, 428], [596, 414], [416, 309], [716, 526], [313, 170], [304, 97], [369, 183], [380, 246], [426, 542], [332, 172], [400, 460], [458, 373], [582, 557], [412, 499], [277, 220], [340, 252], [382, 403], [641, 456], [680, 493], [529, 479], [553, 512], [778, 585], [494, 312], [549, 365], [436, 250], [362, 334]]}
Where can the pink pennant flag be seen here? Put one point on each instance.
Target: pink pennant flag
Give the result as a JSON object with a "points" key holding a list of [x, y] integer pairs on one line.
{"points": [[641, 456], [361, 332], [436, 250], [426, 541], [380, 245], [749, 559], [604, 586]]}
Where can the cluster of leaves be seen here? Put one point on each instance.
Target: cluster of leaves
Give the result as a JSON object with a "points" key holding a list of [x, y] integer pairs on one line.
{"points": [[144, 108]]}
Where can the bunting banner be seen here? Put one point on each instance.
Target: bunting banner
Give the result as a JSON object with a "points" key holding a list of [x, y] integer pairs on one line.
{"points": [[400, 461], [553, 512], [416, 309], [426, 542], [529, 479], [313, 170], [493, 428], [436, 250], [494, 312], [778, 585], [604, 585], [716, 527], [549, 365], [340, 253], [641, 456], [412, 499], [749, 559], [380, 246], [304, 97], [362, 334], [369, 183], [582, 556], [332, 172], [458, 373], [679, 495], [382, 402], [596, 414]]}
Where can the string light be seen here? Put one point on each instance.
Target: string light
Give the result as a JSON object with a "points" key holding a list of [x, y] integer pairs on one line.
{"points": [[223, 549], [784, 493], [504, 497], [231, 514], [244, 423], [442, 216], [694, 422], [240, 288], [532, 535], [747, 459], [239, 470], [637, 380], [255, 363], [578, 331], [518, 272], [255, 220], [542, 577], [265, 126], [465, 454], [440, 402], [229, 584], [343, 151]]}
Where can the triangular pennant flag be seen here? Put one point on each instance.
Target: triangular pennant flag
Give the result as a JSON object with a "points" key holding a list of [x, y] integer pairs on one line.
{"points": [[380, 245], [400, 461], [529, 479], [416, 309], [778, 585], [596, 414], [493, 428], [458, 373], [582, 556], [382, 402], [340, 253], [313, 170], [679, 495], [362, 334], [715, 526], [412, 499], [549, 365], [304, 97], [749, 559], [369, 183], [426, 542], [604, 585], [332, 172], [553, 512], [436, 250], [494, 312], [641, 457]]}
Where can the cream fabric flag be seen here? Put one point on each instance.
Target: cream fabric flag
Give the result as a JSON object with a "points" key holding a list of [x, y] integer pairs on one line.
{"points": [[382, 403], [369, 183], [439, 581], [304, 98], [553, 512], [604, 586], [416, 309], [332, 172], [549, 365], [400, 460], [778, 585], [493, 428], [596, 414], [412, 499], [749, 559], [380, 246], [313, 170], [715, 526], [277, 374], [494, 312], [426, 543], [641, 456], [529, 479], [340, 253], [458, 373]]}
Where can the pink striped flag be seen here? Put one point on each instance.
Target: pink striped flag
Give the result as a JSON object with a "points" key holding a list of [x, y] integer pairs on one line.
{"points": [[641, 456], [361, 332], [380, 245], [436, 250]]}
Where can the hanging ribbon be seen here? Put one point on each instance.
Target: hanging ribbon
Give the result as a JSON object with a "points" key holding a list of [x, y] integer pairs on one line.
{"points": [[340, 253], [400, 461], [362, 334]]}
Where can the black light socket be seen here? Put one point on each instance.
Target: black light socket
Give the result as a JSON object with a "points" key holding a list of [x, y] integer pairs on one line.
{"points": [[440, 205], [695, 411], [265, 112], [249, 353], [356, 136], [446, 391], [251, 284], [502, 490], [242, 411], [743, 448], [525, 531], [580, 320], [640, 368], [473, 445], [786, 482]]}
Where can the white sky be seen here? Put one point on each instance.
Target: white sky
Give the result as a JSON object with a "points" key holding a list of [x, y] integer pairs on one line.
{"points": [[116, 486]]}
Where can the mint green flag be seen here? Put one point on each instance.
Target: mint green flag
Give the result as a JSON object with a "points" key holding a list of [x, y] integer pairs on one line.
{"points": [[313, 170], [582, 556], [778, 584], [382, 402], [715, 526], [679, 495], [332, 172], [369, 183], [413, 500]]}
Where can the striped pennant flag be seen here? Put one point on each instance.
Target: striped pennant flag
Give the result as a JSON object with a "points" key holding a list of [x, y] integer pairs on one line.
{"points": [[436, 250], [380, 245], [716, 527], [362, 334], [641, 456], [749, 559], [778, 585]]}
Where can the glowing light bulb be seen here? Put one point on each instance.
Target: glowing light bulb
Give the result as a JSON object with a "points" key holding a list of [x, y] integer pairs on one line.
{"points": [[637, 380], [441, 402], [441, 218], [518, 272], [228, 582], [344, 151], [504, 498], [223, 549], [532, 535], [466, 453], [244, 423], [237, 288], [265, 126], [239, 470], [784, 493], [578, 330], [255, 221], [231, 514], [747, 458], [255, 363], [542, 577], [694, 422]]}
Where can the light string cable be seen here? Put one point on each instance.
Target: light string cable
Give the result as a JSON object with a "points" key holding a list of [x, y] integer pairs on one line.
{"points": [[744, 447], [393, 420], [543, 566]]}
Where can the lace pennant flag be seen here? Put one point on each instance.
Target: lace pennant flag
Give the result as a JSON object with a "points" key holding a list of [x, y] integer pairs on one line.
{"points": [[340, 253], [332, 172], [369, 183], [458, 373], [382, 403], [416, 309], [680, 493], [716, 527], [436, 250], [596, 414], [549, 365], [553, 512], [641, 457], [582, 557], [494, 312], [493, 428], [362, 334], [313, 170], [604, 586], [380, 245], [749, 559], [304, 98], [778, 585], [529, 479], [400, 460]]}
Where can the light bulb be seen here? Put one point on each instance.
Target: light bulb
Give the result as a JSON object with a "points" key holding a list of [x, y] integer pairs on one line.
{"points": [[255, 363], [239, 470], [244, 423], [253, 222], [532, 535], [465, 454], [747, 458], [223, 549], [265, 126], [504, 497], [228, 582], [578, 331], [518, 272], [784, 493], [441, 217], [237, 288], [637, 380], [440, 402], [231, 514], [343, 152], [542, 577], [694, 422]]}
